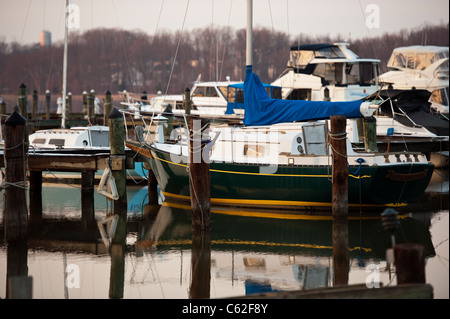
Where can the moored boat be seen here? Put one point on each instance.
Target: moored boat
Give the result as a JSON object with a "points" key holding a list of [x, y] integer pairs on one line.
{"points": [[272, 163]]}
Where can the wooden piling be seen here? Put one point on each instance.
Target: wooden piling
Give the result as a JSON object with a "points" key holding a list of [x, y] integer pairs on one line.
{"points": [[34, 105], [22, 101], [117, 272], [91, 107], [107, 107], [69, 105], [410, 263], [85, 104], [200, 285], [187, 101], [199, 178], [35, 195], [370, 134], [2, 112], [340, 200], [117, 145], [152, 188], [87, 199], [15, 213], [18, 283], [47, 104]]}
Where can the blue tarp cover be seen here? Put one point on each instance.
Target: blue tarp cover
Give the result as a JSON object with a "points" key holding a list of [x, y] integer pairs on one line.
{"points": [[260, 109], [236, 105]]}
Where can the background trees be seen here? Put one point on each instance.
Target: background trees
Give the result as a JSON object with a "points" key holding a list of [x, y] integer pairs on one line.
{"points": [[115, 59]]}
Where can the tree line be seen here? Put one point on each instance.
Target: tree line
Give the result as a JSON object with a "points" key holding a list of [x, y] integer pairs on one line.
{"points": [[116, 60]]}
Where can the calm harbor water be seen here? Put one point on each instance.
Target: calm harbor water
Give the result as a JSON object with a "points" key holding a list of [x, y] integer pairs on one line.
{"points": [[246, 254]]}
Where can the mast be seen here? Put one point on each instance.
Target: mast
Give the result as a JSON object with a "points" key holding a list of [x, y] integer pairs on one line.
{"points": [[249, 48], [64, 92]]}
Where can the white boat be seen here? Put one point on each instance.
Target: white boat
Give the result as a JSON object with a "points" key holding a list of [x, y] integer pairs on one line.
{"points": [[421, 67], [86, 137], [223, 99], [78, 139], [319, 72]]}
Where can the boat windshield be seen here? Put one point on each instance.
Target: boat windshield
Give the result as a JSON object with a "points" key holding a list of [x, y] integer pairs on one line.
{"points": [[415, 59], [341, 74], [205, 91], [440, 96], [301, 56]]}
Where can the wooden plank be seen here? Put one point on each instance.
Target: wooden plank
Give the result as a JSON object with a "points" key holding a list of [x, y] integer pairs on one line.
{"points": [[73, 163]]}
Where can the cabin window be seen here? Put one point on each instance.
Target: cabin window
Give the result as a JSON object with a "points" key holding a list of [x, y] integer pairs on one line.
{"points": [[39, 141], [331, 73], [253, 150], [315, 139], [300, 94], [100, 139], [440, 96], [234, 95], [361, 73], [57, 141], [205, 91]]}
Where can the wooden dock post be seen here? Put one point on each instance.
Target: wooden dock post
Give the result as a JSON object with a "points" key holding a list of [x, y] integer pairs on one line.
{"points": [[85, 104], [199, 178], [47, 104], [117, 145], [23, 110], [15, 213], [410, 263], [91, 106], [34, 105], [370, 134], [35, 195], [69, 105], [200, 285], [18, 284], [2, 111], [117, 272], [87, 199], [152, 188], [107, 107], [340, 200], [187, 101]]}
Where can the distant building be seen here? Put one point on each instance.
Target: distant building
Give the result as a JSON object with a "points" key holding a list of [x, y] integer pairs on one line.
{"points": [[46, 38]]}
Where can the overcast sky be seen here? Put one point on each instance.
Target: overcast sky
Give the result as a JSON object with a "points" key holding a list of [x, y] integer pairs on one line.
{"points": [[23, 20]]}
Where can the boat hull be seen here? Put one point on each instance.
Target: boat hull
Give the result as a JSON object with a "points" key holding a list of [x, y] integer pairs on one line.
{"points": [[291, 187]]}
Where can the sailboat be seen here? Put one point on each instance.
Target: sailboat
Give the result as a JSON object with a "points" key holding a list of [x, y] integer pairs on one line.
{"points": [[281, 157]]}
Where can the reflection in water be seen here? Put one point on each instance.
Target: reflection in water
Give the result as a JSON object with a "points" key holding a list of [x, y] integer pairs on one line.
{"points": [[161, 258]]}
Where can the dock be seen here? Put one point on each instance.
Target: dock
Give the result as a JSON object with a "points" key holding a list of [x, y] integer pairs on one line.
{"points": [[34, 163]]}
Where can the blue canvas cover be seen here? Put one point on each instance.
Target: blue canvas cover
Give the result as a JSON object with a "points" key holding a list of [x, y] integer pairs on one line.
{"points": [[260, 109], [237, 105]]}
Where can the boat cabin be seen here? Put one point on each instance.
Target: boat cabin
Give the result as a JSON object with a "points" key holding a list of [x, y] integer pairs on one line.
{"points": [[76, 137], [421, 67], [319, 72]]}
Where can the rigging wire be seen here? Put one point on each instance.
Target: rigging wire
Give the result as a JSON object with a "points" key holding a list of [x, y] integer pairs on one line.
{"points": [[225, 46], [368, 31], [26, 19], [178, 47], [124, 50]]}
